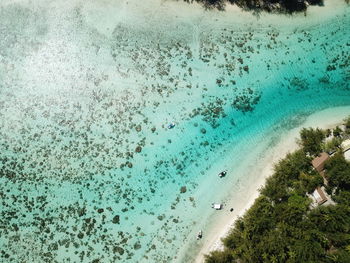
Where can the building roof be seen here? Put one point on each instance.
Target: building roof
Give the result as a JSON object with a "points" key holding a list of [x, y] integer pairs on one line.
{"points": [[318, 162], [319, 195], [347, 155], [345, 145]]}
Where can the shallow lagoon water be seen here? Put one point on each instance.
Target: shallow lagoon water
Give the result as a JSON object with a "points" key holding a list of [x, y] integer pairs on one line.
{"points": [[89, 170]]}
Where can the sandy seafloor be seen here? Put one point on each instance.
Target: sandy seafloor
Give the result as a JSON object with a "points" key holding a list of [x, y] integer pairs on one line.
{"points": [[89, 171]]}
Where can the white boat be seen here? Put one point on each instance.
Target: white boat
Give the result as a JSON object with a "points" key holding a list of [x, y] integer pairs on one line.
{"points": [[216, 206], [171, 125], [222, 174]]}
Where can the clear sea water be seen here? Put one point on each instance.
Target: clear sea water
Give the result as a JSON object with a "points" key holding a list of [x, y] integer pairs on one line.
{"points": [[89, 170]]}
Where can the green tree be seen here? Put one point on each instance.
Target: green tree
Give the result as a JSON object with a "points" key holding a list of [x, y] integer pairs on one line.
{"points": [[337, 131], [332, 146], [338, 172], [340, 256], [225, 256], [308, 248], [287, 171], [293, 210], [328, 133], [308, 182], [311, 140], [342, 197]]}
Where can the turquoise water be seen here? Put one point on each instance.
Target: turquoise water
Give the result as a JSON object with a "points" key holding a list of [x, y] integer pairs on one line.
{"points": [[89, 170]]}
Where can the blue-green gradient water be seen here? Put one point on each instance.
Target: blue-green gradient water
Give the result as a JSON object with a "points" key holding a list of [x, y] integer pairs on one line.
{"points": [[89, 171]]}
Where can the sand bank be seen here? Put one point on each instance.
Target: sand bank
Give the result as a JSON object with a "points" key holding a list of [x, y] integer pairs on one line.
{"points": [[177, 16], [287, 143]]}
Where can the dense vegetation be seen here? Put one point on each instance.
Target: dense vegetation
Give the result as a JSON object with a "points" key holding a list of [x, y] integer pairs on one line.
{"points": [[281, 226], [265, 5]]}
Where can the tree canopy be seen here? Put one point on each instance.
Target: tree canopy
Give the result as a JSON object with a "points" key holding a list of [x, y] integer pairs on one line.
{"points": [[311, 140], [338, 172]]}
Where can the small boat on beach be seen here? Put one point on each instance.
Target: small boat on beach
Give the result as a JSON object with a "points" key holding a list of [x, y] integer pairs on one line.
{"points": [[171, 125], [222, 174], [199, 235], [216, 206]]}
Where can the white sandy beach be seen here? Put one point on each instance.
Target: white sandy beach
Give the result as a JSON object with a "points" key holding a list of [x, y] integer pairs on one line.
{"points": [[175, 14], [288, 143]]}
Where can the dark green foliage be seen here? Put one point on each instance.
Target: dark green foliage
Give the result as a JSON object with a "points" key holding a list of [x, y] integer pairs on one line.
{"points": [[287, 171], [328, 133], [260, 224], [347, 125], [295, 208], [282, 227], [332, 145], [309, 248], [340, 256], [331, 219], [290, 167], [338, 172], [311, 140], [308, 182], [342, 197], [220, 257], [337, 131], [275, 189], [288, 6], [210, 4]]}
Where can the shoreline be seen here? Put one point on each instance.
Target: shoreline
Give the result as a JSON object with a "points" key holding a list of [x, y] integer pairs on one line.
{"points": [[287, 143], [178, 13]]}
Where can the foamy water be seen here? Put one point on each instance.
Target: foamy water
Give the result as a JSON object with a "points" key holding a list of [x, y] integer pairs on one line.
{"points": [[89, 169]]}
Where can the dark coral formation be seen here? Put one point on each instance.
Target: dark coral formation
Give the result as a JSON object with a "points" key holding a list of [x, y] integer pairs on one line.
{"points": [[246, 100]]}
